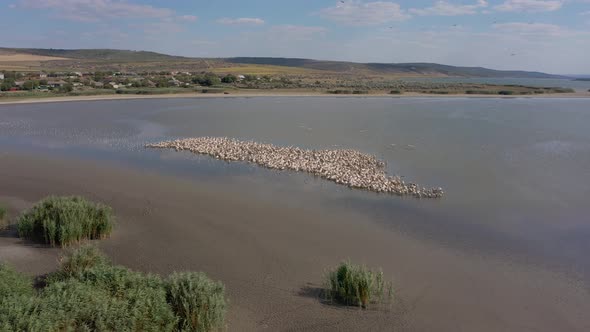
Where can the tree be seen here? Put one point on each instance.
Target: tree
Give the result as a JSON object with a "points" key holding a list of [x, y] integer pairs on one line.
{"points": [[250, 78], [210, 79], [162, 82], [7, 84], [229, 78], [66, 88], [30, 85]]}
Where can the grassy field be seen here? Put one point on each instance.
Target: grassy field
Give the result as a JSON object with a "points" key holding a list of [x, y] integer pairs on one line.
{"points": [[266, 70], [27, 57]]}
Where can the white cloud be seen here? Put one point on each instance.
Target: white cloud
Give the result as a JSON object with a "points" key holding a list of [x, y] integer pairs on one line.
{"points": [[188, 18], [530, 5], [530, 28], [96, 10], [445, 8], [242, 20], [364, 13]]}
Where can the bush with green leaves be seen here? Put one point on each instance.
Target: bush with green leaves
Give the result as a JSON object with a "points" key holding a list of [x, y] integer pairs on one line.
{"points": [[16, 299], [14, 283], [61, 221], [356, 285], [17, 312], [88, 293], [197, 301], [75, 306], [77, 261]]}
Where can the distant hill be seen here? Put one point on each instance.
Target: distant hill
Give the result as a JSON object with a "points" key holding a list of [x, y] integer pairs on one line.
{"points": [[94, 54], [425, 69], [112, 57]]}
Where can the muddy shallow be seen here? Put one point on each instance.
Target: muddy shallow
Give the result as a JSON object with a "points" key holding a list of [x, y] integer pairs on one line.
{"points": [[503, 250]]}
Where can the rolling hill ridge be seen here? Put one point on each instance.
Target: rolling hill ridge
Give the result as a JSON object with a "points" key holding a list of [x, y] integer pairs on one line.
{"points": [[127, 58]]}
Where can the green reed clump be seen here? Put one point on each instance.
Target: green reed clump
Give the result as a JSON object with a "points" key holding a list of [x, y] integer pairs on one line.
{"points": [[16, 299], [71, 305], [14, 283], [143, 296], [88, 293], [197, 301], [356, 285], [61, 221]]}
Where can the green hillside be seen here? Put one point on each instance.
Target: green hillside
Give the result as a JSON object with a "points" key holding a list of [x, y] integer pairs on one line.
{"points": [[426, 69], [111, 58], [95, 54]]}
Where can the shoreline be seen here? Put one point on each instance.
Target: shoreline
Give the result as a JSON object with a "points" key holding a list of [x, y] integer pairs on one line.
{"points": [[60, 99]]}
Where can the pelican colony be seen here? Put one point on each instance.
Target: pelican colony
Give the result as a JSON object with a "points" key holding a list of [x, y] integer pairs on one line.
{"points": [[347, 167]]}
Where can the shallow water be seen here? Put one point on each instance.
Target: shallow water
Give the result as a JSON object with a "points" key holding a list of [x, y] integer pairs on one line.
{"points": [[515, 170]]}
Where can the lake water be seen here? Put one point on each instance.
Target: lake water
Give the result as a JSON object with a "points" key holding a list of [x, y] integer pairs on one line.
{"points": [[516, 171]]}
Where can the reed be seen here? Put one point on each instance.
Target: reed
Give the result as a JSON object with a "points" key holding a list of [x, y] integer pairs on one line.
{"points": [[356, 285], [197, 301], [62, 221], [88, 293]]}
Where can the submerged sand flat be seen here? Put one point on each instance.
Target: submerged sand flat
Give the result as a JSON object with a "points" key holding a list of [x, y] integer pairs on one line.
{"points": [[272, 256], [347, 167]]}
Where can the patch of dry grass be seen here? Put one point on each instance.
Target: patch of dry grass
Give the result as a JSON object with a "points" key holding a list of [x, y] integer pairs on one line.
{"points": [[17, 57]]}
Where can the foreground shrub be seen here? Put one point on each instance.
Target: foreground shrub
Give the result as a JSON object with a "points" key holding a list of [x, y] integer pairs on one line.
{"points": [[88, 293], [16, 300], [13, 283], [80, 260], [16, 312], [61, 221], [356, 285], [197, 301], [144, 296], [74, 306]]}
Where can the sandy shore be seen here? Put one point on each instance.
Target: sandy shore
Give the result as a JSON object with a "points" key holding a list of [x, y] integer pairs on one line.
{"points": [[272, 257], [276, 93]]}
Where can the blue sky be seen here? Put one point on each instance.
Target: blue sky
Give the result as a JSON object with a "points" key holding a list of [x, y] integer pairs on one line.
{"points": [[544, 35]]}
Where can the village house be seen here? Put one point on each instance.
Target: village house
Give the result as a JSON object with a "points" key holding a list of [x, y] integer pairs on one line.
{"points": [[56, 84]]}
